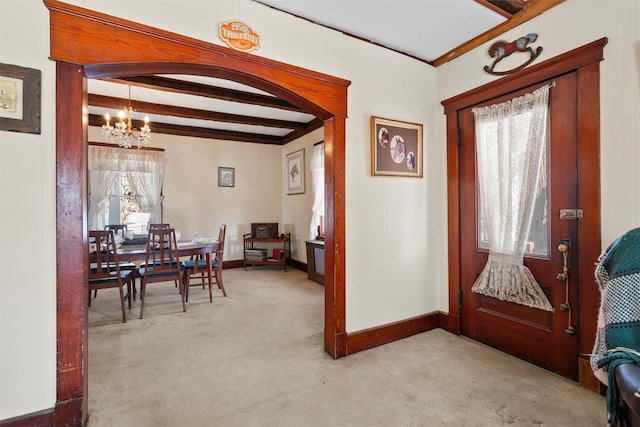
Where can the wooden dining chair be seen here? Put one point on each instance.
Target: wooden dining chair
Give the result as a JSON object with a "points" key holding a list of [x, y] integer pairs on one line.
{"points": [[196, 269], [121, 229], [162, 263], [104, 268]]}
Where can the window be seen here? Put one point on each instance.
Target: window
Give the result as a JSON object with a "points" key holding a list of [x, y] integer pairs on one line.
{"points": [[122, 206], [125, 187], [316, 229]]}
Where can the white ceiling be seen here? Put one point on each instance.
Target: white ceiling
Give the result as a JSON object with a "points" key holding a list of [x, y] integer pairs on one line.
{"points": [[424, 29]]}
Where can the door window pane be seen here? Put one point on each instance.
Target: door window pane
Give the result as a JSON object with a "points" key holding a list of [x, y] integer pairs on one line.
{"points": [[538, 238]]}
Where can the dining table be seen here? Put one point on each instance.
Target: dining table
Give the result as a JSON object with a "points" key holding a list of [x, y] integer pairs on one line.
{"points": [[201, 246]]}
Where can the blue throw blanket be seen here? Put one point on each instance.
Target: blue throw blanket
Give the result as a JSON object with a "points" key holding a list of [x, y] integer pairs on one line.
{"points": [[618, 332]]}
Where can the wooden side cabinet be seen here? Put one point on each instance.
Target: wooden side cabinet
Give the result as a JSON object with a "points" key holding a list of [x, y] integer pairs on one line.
{"points": [[278, 252], [315, 260]]}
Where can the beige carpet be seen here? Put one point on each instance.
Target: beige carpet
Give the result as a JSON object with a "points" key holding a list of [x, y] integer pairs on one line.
{"points": [[256, 358]]}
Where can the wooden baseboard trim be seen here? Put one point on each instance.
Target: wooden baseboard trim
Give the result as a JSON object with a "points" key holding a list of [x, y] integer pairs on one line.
{"points": [[238, 263], [373, 337], [44, 418], [302, 266]]}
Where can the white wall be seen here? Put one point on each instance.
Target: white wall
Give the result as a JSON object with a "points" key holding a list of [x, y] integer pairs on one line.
{"points": [[396, 259], [27, 224], [296, 208]]}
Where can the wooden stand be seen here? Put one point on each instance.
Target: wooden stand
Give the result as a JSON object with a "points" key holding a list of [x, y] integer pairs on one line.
{"points": [[283, 243]]}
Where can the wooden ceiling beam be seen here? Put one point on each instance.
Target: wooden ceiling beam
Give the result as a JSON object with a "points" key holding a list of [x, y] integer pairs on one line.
{"points": [[198, 89], [310, 127], [531, 9], [199, 132], [191, 113]]}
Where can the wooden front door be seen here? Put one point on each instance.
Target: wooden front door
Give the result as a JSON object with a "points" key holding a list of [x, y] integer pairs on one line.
{"points": [[547, 339]]}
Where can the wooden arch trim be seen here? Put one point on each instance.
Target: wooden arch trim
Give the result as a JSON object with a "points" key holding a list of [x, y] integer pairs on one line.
{"points": [[78, 31], [89, 44]]}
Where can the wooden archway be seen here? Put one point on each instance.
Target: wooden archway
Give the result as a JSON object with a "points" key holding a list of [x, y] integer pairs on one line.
{"points": [[87, 44]]}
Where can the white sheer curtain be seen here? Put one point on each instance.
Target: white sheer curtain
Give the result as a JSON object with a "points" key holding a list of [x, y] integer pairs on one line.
{"points": [[145, 169], [146, 178], [100, 182], [511, 139], [317, 184]]}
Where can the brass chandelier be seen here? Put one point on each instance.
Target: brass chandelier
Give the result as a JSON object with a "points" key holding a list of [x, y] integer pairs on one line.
{"points": [[123, 132]]}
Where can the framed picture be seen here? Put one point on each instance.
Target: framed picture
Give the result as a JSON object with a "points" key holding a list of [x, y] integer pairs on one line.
{"points": [[226, 177], [396, 148], [295, 172], [19, 99]]}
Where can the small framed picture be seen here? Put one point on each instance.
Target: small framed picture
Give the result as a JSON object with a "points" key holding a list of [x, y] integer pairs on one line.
{"points": [[19, 99], [295, 172], [226, 177], [396, 148]]}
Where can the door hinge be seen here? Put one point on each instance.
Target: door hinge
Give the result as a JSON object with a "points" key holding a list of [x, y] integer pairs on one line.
{"points": [[458, 136], [571, 213]]}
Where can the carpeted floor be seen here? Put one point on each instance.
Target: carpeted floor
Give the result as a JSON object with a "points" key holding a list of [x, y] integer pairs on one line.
{"points": [[256, 358]]}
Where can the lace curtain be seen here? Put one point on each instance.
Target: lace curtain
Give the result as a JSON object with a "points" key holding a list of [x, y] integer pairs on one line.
{"points": [[510, 144], [317, 184], [144, 168]]}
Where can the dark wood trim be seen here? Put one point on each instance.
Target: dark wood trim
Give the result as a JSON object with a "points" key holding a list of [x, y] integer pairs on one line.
{"points": [[585, 61], [589, 200], [234, 263], [453, 208], [564, 63], [71, 229], [299, 265], [36, 419], [79, 47], [373, 337], [106, 144], [177, 54]]}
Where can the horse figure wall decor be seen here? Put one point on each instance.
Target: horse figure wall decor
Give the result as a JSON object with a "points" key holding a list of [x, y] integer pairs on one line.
{"points": [[501, 49]]}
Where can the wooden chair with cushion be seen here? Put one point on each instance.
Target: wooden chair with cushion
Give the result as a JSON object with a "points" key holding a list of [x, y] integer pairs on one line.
{"points": [[195, 270], [121, 230], [162, 263], [104, 268]]}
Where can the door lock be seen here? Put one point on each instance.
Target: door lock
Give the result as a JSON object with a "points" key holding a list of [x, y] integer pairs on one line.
{"points": [[563, 247]]}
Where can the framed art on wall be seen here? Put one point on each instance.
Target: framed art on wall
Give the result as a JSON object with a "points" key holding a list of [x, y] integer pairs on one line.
{"points": [[226, 177], [396, 148], [19, 99], [295, 172]]}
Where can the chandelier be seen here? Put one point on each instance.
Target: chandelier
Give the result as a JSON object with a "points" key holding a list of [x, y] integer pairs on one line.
{"points": [[123, 132]]}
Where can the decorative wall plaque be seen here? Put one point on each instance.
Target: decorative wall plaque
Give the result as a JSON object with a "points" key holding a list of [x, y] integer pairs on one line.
{"points": [[501, 49], [239, 36]]}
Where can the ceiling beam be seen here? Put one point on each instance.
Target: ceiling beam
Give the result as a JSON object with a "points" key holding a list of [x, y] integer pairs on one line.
{"points": [[191, 113], [531, 9], [198, 132], [310, 127], [198, 89]]}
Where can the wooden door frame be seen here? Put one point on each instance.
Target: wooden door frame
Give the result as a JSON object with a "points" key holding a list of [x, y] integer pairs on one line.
{"points": [[585, 61], [87, 44]]}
